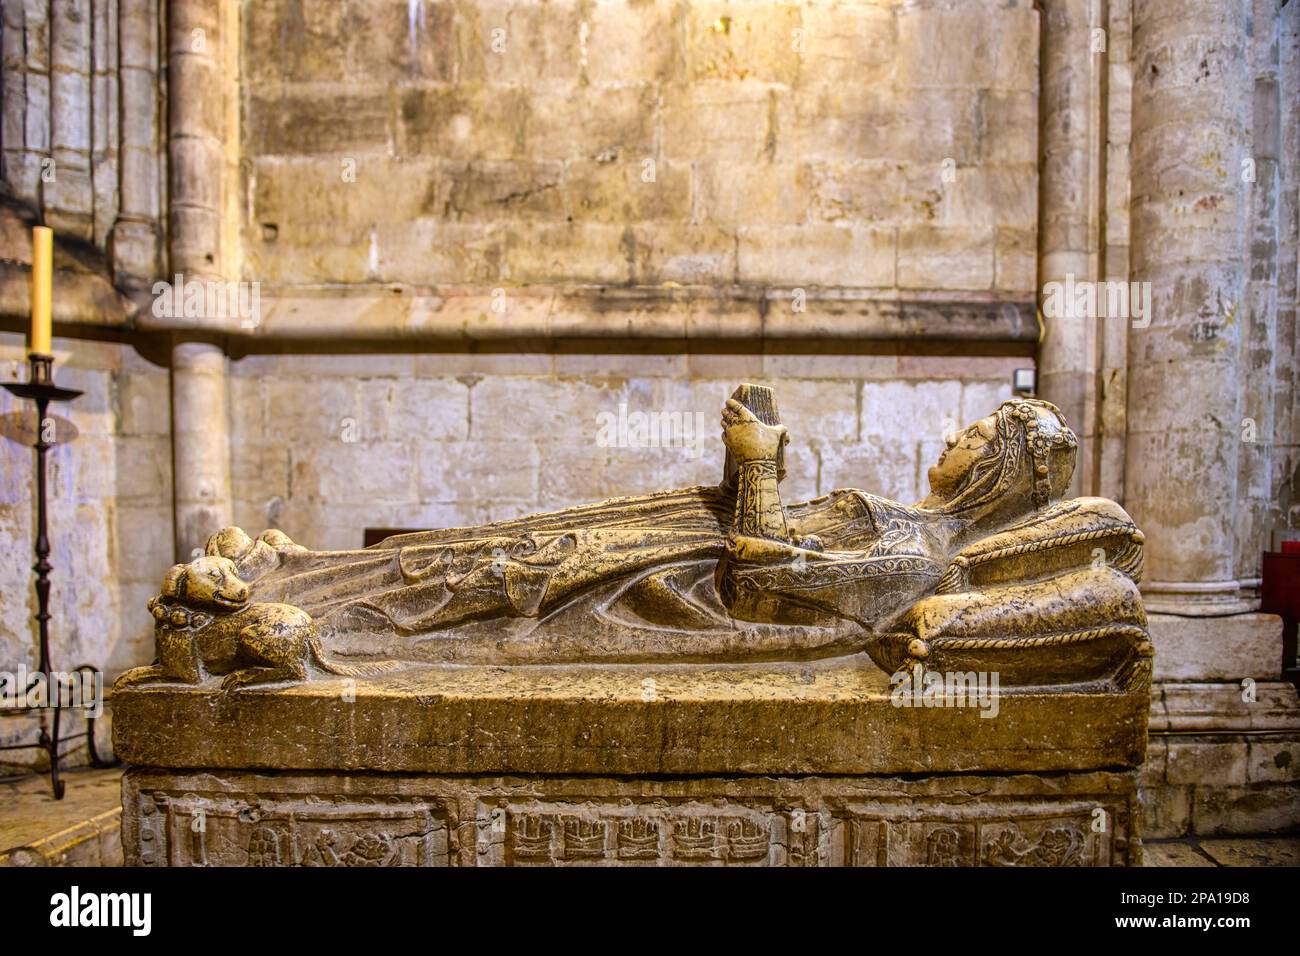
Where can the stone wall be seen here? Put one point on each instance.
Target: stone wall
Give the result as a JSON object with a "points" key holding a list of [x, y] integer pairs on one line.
{"points": [[325, 446], [848, 144], [849, 148]]}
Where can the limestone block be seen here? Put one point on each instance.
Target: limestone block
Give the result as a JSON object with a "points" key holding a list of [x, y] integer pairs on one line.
{"points": [[144, 532], [1203, 762], [664, 252], [564, 410], [729, 365], [143, 468], [1006, 195], [623, 191], [951, 363], [629, 42], [430, 251], [18, 641], [143, 403], [1216, 648], [891, 409], [874, 191], [731, 194], [831, 717], [1254, 852], [349, 119], [259, 474], [505, 42], [1241, 809], [478, 471], [93, 411], [824, 360], [463, 122], [968, 46], [598, 124], [584, 363], [356, 473], [326, 413], [978, 397], [632, 470], [889, 466], [294, 194], [742, 41], [304, 42], [1171, 854], [399, 42], [572, 252], [1016, 254], [77, 471], [1273, 761], [942, 258], [843, 123], [817, 255], [723, 121], [427, 410], [573, 474], [854, 44], [247, 397], [485, 192], [1007, 127], [290, 263]]}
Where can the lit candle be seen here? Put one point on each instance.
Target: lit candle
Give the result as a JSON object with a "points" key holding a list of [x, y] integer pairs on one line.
{"points": [[42, 276]]}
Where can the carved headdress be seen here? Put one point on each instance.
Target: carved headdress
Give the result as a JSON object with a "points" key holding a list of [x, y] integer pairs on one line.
{"points": [[1032, 453]]}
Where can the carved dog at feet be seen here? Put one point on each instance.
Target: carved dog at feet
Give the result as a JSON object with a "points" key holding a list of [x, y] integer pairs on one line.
{"points": [[206, 626]]}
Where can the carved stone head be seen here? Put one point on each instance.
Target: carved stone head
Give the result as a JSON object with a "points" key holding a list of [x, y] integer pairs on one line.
{"points": [[1018, 459], [210, 583]]}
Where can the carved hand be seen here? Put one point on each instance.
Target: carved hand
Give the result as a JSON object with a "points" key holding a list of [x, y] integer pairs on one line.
{"points": [[747, 438]]}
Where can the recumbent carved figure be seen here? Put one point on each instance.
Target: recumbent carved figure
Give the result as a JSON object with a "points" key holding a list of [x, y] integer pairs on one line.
{"points": [[992, 571]]}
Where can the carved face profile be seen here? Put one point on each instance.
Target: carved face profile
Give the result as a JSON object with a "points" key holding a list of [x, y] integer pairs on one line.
{"points": [[964, 449], [1016, 460]]}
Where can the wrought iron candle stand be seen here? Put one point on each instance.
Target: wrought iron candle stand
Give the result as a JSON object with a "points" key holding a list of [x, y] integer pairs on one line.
{"points": [[41, 389]]}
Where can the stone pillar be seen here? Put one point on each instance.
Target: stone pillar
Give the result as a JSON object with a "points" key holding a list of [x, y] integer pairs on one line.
{"points": [[1287, 415], [202, 38], [68, 197], [1225, 728], [1191, 130], [1072, 137], [135, 245], [197, 134], [200, 444]]}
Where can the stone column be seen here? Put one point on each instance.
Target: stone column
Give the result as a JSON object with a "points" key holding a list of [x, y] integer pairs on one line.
{"points": [[202, 38], [1191, 130], [135, 245], [1071, 188], [200, 444], [1225, 728], [68, 197]]}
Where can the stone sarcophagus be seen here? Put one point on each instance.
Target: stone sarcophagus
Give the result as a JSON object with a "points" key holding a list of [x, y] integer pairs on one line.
{"points": [[709, 676]]}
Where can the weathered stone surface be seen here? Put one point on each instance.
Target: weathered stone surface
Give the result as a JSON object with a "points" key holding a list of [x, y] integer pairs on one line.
{"points": [[1172, 854], [332, 820], [814, 718], [1217, 648], [82, 829]]}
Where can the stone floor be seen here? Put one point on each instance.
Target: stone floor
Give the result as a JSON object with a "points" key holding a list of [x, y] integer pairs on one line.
{"points": [[82, 830], [79, 830]]}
